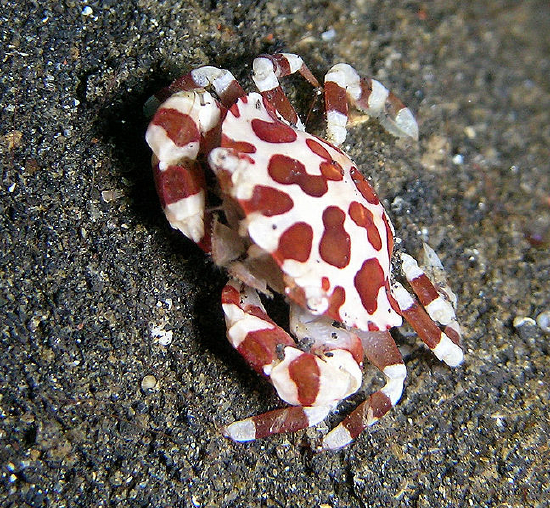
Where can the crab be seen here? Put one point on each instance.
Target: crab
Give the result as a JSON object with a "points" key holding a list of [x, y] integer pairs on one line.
{"points": [[290, 213]]}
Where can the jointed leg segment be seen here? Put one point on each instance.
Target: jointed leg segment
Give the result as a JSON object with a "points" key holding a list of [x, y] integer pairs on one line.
{"points": [[344, 86], [431, 315]]}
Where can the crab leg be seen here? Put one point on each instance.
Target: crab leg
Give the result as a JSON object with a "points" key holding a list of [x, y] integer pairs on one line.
{"points": [[428, 331], [434, 301], [314, 385], [344, 86], [381, 351], [267, 69]]}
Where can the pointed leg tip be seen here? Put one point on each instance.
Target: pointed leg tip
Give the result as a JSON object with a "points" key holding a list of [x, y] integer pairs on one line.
{"points": [[455, 358], [336, 439], [449, 352], [241, 431], [406, 123]]}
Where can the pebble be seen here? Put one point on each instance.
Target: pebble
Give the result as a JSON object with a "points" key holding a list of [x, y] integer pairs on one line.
{"points": [[148, 383], [328, 35]]}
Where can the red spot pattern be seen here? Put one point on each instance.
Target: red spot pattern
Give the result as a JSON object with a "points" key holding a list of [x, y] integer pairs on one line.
{"points": [[330, 169], [273, 132], [364, 187], [268, 201], [178, 182], [368, 281], [336, 300], [325, 283], [363, 217], [239, 146], [318, 149], [235, 110], [304, 371], [287, 171], [295, 243], [334, 247], [180, 128]]}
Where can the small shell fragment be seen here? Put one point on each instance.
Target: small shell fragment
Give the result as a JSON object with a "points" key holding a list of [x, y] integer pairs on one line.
{"points": [[148, 383]]}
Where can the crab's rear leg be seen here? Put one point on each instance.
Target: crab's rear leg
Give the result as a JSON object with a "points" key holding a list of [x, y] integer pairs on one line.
{"points": [[267, 69], [381, 351], [313, 385], [433, 319], [344, 87]]}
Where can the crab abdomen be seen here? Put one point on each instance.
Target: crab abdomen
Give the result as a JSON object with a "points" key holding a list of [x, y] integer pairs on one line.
{"points": [[307, 205]]}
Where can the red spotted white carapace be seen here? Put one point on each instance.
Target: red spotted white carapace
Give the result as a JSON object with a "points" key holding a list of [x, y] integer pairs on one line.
{"points": [[297, 217]]}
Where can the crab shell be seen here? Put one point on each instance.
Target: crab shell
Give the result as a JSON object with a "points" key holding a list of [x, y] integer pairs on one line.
{"points": [[306, 204]]}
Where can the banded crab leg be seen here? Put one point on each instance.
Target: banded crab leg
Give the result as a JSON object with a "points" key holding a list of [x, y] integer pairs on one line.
{"points": [[433, 319], [313, 384], [266, 71], [382, 352], [437, 299], [344, 87]]}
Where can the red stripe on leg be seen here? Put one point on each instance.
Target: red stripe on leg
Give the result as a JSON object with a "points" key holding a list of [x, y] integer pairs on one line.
{"points": [[250, 330], [364, 415], [283, 420], [426, 329], [424, 289], [335, 98]]}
